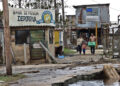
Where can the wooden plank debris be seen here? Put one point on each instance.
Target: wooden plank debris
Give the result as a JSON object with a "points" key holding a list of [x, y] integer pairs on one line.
{"points": [[110, 72], [49, 53]]}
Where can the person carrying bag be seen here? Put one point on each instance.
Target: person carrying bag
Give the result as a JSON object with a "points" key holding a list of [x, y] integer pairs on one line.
{"points": [[92, 43]]}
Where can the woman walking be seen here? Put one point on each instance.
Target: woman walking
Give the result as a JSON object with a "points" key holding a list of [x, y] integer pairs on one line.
{"points": [[79, 44]]}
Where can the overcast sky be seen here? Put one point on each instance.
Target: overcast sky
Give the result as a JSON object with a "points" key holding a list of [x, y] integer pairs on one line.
{"points": [[114, 6]]}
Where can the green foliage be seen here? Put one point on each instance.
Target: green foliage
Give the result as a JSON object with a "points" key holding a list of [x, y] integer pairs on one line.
{"points": [[68, 51], [1, 13], [11, 78], [40, 4]]}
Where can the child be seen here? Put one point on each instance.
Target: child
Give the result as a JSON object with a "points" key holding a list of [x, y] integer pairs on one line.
{"points": [[84, 45]]}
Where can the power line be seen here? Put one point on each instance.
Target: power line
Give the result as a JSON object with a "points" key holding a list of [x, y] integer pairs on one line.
{"points": [[114, 9], [110, 7]]}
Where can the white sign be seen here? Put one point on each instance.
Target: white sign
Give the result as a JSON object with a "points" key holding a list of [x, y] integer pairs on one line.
{"points": [[35, 45], [31, 17], [92, 18]]}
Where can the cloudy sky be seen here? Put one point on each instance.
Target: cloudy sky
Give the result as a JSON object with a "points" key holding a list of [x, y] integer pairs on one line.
{"points": [[114, 6]]}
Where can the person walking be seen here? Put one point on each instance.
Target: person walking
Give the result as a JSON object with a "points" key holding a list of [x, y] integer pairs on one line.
{"points": [[92, 39], [79, 44]]}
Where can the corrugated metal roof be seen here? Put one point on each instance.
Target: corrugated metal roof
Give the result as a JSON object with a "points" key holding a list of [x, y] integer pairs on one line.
{"points": [[44, 25], [70, 15], [58, 28], [77, 6]]}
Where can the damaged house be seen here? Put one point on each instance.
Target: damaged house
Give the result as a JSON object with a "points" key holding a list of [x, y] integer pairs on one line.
{"points": [[90, 17]]}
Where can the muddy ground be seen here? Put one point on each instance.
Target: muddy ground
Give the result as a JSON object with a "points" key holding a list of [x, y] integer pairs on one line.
{"points": [[47, 76], [67, 68]]}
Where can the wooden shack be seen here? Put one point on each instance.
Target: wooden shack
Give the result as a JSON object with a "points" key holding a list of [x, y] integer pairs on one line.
{"points": [[28, 28]]}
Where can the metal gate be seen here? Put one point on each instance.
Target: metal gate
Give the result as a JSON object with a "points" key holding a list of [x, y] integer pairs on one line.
{"points": [[37, 52]]}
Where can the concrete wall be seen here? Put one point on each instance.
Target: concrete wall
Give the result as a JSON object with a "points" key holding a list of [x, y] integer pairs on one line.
{"points": [[18, 50], [51, 47]]}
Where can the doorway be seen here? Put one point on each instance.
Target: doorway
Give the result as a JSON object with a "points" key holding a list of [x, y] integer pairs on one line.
{"points": [[36, 51]]}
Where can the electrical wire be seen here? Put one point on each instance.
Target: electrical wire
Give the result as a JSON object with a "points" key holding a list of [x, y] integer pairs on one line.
{"points": [[110, 6]]}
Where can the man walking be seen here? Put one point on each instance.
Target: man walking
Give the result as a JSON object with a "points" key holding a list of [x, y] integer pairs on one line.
{"points": [[92, 39]]}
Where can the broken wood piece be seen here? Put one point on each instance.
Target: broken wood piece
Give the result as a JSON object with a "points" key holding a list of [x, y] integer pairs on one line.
{"points": [[49, 53], [116, 74], [110, 72], [107, 72]]}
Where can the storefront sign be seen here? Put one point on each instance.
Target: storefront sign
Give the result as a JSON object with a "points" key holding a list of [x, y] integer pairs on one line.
{"points": [[31, 17]]}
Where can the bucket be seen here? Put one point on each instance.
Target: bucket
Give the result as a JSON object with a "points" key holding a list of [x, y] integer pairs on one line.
{"points": [[61, 57]]}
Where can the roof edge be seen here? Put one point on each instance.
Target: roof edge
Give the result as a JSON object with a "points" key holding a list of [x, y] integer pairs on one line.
{"points": [[107, 4]]}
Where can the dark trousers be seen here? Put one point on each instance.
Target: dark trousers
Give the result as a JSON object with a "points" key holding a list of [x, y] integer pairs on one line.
{"points": [[84, 51], [79, 48], [92, 49]]}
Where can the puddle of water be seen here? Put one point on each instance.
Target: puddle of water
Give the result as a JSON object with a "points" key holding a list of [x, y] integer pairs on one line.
{"points": [[94, 83]]}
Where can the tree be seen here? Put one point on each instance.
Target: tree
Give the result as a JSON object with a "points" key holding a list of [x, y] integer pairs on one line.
{"points": [[40, 4]]}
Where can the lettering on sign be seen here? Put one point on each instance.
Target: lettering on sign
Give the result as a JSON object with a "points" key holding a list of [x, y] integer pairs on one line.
{"points": [[33, 17], [27, 18]]}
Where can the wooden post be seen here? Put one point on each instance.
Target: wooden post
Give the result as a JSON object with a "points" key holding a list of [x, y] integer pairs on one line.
{"points": [[107, 37], [7, 38], [108, 41], [104, 42], [63, 20], [55, 7], [112, 41], [96, 33], [25, 54], [19, 2], [3, 48]]}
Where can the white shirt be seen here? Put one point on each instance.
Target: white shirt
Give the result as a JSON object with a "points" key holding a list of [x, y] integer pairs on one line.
{"points": [[79, 41]]}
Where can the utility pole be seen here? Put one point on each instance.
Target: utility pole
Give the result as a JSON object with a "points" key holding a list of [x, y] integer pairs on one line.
{"points": [[7, 38], [63, 22], [63, 14], [19, 3], [55, 10], [118, 19], [96, 33], [113, 41]]}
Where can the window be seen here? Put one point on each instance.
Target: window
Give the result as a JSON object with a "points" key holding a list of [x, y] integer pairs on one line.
{"points": [[51, 36], [92, 11], [22, 37]]}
